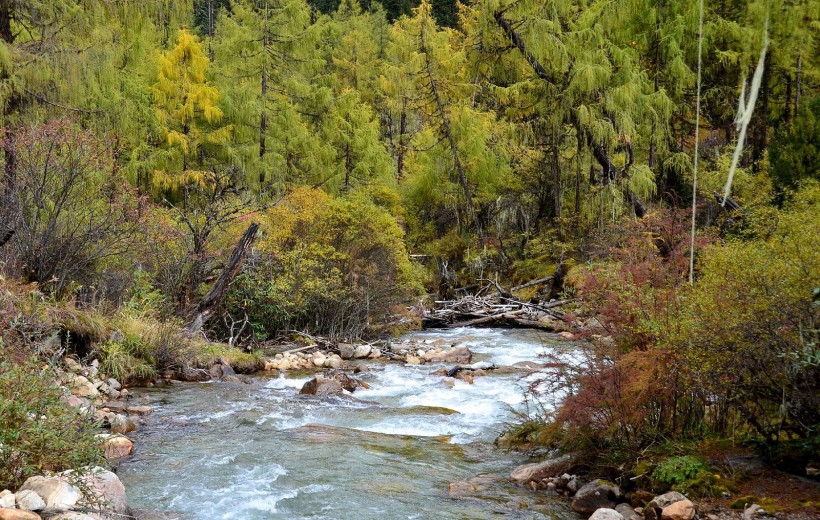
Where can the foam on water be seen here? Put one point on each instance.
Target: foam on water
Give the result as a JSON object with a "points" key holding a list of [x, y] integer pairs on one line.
{"points": [[376, 454]]}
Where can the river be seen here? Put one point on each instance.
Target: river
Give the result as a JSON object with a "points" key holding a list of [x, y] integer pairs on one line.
{"points": [[262, 451]]}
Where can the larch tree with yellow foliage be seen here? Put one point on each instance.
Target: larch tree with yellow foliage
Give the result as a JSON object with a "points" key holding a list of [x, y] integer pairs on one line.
{"points": [[187, 109]]}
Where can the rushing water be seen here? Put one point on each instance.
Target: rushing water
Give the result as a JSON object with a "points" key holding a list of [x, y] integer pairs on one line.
{"points": [[237, 451]]}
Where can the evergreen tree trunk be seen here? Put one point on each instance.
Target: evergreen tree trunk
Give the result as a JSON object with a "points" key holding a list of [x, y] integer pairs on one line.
{"points": [[402, 150], [263, 126], [448, 134]]}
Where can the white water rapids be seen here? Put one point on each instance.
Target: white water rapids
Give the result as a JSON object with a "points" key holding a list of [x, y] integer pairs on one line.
{"points": [[230, 450]]}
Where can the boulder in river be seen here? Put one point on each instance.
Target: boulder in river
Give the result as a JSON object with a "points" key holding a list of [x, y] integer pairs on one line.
{"points": [[627, 512], [321, 387], [116, 446], [460, 355], [538, 471], [346, 350], [108, 491], [595, 495]]}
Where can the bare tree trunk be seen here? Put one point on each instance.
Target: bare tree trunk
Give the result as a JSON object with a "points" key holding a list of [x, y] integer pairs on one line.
{"points": [[206, 308]]}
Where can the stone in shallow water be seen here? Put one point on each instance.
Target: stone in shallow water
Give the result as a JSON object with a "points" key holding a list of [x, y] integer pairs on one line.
{"points": [[321, 387]]}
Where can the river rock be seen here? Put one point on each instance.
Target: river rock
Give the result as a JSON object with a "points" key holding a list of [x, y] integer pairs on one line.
{"points": [[346, 350], [680, 510], [538, 471], [321, 387], [74, 515], [627, 512], [18, 514], [113, 383], [334, 361], [108, 489], [595, 495], [606, 514], [458, 489], [7, 500], [29, 500], [141, 410], [654, 509], [57, 494], [122, 424], [82, 387], [348, 383], [467, 377], [116, 446], [459, 355], [361, 351], [375, 354], [412, 360]]}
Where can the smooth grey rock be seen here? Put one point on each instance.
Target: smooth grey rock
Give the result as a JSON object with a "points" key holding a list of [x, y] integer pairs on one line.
{"points": [[540, 470], [346, 350], [605, 513], [595, 495]]}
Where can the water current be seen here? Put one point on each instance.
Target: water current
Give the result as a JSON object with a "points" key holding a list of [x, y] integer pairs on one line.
{"points": [[262, 451]]}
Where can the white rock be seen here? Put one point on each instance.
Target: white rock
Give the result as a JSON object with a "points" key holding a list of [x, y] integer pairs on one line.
{"points": [[29, 500], [7, 501], [361, 351], [57, 494]]}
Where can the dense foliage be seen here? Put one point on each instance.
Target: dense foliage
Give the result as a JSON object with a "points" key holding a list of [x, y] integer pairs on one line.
{"points": [[39, 431], [390, 148]]}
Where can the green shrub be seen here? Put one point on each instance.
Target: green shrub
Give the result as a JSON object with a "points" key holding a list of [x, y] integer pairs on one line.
{"points": [[39, 431], [675, 471]]}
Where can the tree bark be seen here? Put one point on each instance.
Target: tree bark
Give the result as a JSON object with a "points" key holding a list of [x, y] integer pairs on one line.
{"points": [[206, 308]]}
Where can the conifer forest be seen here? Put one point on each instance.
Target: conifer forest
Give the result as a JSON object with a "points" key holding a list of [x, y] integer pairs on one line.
{"points": [[582, 234]]}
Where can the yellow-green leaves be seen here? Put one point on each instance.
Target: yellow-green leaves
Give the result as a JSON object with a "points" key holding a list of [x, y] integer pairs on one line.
{"points": [[187, 109]]}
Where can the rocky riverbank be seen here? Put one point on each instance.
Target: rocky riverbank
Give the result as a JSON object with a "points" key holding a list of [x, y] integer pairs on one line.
{"points": [[603, 500], [85, 493]]}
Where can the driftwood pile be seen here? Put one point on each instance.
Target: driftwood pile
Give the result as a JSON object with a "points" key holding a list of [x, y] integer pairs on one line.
{"points": [[495, 306]]}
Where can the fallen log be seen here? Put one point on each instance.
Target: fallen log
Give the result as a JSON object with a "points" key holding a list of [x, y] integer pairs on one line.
{"points": [[486, 319], [531, 283]]}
